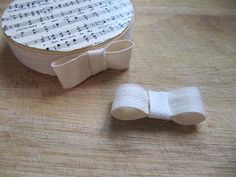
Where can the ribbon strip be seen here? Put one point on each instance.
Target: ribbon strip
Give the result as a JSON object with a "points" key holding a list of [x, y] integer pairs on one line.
{"points": [[183, 106], [71, 71]]}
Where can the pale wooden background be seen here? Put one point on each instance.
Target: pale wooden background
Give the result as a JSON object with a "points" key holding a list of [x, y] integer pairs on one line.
{"points": [[46, 131]]}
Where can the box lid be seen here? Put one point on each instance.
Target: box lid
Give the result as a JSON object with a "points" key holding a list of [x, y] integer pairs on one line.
{"points": [[62, 25]]}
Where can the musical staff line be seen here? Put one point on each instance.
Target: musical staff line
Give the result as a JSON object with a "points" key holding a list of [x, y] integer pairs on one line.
{"points": [[43, 10], [76, 29], [50, 17], [70, 43], [27, 4], [76, 19]]}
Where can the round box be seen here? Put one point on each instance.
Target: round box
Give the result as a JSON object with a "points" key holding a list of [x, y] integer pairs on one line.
{"points": [[41, 31]]}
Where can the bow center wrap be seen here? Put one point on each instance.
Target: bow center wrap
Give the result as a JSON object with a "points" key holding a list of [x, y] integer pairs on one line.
{"points": [[183, 106], [97, 60], [73, 70]]}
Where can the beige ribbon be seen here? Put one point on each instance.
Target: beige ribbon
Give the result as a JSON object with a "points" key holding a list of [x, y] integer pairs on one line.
{"points": [[71, 71], [183, 106]]}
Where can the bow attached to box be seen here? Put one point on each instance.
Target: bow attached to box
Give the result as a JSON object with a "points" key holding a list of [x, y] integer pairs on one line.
{"points": [[71, 71]]}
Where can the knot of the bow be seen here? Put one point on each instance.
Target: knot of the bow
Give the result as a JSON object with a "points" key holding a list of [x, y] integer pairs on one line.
{"points": [[183, 106], [97, 60], [72, 70]]}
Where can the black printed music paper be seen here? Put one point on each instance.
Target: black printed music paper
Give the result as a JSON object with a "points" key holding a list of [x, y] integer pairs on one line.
{"points": [[65, 25]]}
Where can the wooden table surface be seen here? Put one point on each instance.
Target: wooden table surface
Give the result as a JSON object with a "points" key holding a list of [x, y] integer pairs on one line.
{"points": [[47, 131]]}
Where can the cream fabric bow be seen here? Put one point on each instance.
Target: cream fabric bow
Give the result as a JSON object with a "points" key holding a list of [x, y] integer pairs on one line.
{"points": [[71, 71], [183, 106]]}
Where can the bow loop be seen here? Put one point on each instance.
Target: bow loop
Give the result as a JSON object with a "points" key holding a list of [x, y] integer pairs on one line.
{"points": [[131, 102], [118, 54], [72, 70]]}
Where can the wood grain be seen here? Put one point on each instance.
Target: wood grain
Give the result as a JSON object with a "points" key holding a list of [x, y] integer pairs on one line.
{"points": [[47, 131]]}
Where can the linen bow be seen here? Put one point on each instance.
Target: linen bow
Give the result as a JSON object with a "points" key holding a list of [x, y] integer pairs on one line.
{"points": [[183, 106], [71, 71]]}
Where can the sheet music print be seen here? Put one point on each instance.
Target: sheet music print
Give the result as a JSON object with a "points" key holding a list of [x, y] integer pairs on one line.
{"points": [[65, 25]]}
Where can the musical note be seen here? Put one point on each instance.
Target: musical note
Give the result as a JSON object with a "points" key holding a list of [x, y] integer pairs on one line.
{"points": [[17, 25], [68, 32], [86, 38], [94, 36], [108, 10], [34, 31], [29, 22], [46, 28], [95, 14], [86, 26], [22, 33], [25, 14], [42, 39], [53, 37], [38, 12], [61, 34], [90, 7], [85, 16], [67, 43]]}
